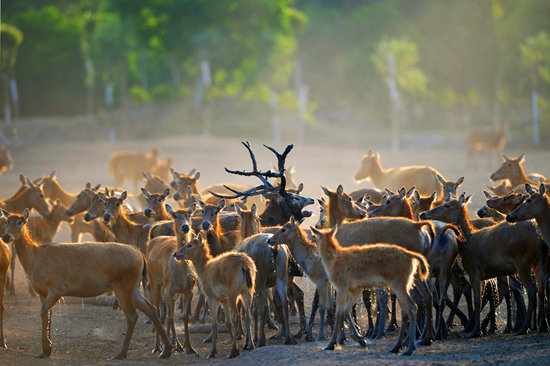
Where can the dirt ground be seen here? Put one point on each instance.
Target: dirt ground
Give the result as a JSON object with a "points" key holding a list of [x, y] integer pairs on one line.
{"points": [[89, 335]]}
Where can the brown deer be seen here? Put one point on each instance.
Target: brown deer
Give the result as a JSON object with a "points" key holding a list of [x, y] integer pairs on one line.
{"points": [[512, 170], [423, 177], [449, 188], [421, 204], [5, 259], [501, 189], [505, 204], [382, 265], [490, 139], [53, 190], [130, 164], [177, 277], [32, 196], [304, 252], [374, 194], [395, 205], [224, 279], [82, 270], [155, 205], [6, 161], [398, 231], [511, 249]]}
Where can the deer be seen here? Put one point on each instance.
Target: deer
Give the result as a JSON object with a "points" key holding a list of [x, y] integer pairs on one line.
{"points": [[501, 189], [423, 177], [225, 279], [162, 168], [398, 231], [304, 251], [491, 139], [6, 161], [511, 248], [512, 170], [374, 194], [210, 225], [155, 205], [82, 270], [505, 204], [175, 276], [421, 204], [449, 188], [130, 164], [30, 195], [5, 260], [382, 265]]}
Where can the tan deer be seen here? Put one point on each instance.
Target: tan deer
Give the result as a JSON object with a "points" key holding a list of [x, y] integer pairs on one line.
{"points": [[5, 260], [162, 168], [82, 270], [6, 161], [499, 250], [382, 265], [423, 177], [155, 205], [490, 139], [304, 252], [130, 164], [29, 196], [177, 277], [224, 279]]}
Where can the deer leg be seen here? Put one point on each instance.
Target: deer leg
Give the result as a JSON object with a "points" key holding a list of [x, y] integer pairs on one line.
{"points": [[527, 281], [262, 308], [299, 299], [393, 321], [247, 300], [232, 312], [46, 316], [368, 305], [383, 303], [214, 306], [155, 293], [352, 300], [340, 303], [309, 326], [476, 288], [541, 287], [138, 301], [187, 298], [427, 300], [12, 271], [200, 304], [170, 327]]}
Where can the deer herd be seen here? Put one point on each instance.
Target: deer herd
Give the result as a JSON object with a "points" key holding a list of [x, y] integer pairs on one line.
{"points": [[408, 240]]}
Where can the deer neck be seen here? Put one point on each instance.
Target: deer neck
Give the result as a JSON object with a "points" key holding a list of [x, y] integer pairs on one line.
{"points": [[124, 228], [519, 177], [54, 222], [335, 214], [18, 202], [58, 192], [377, 174], [251, 227], [162, 215], [302, 251], [213, 240], [200, 262], [543, 220], [328, 253], [464, 224], [26, 250]]}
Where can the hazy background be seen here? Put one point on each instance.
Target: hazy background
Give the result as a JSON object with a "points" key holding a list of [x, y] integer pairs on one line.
{"points": [[458, 64]]}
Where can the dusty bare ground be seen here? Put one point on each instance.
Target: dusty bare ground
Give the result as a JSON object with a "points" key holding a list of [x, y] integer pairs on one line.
{"points": [[86, 335]]}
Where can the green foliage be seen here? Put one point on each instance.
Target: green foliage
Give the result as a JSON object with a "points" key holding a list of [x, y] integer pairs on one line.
{"points": [[536, 57], [11, 40]]}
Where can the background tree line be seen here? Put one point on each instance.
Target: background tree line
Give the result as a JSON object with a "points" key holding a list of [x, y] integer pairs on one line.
{"points": [[458, 63]]}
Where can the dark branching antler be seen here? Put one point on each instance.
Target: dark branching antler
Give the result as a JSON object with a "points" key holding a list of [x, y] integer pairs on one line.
{"points": [[263, 176]]}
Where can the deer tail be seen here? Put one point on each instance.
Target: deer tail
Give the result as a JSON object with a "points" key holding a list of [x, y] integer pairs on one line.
{"points": [[423, 268], [247, 277]]}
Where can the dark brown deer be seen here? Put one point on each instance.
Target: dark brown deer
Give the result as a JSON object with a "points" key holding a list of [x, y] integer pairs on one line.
{"points": [[511, 249], [490, 139], [512, 169]]}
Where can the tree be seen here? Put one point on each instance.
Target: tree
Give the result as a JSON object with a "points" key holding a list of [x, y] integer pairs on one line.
{"points": [[11, 40]]}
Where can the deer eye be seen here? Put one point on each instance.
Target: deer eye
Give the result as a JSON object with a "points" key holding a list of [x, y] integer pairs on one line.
{"points": [[159, 200], [448, 206], [19, 223], [283, 230], [41, 195], [117, 204], [387, 202]]}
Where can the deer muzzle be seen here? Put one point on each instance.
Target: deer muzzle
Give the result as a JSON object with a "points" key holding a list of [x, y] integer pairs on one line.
{"points": [[7, 238]]}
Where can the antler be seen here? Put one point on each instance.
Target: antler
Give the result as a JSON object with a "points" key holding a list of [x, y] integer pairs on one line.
{"points": [[266, 186]]}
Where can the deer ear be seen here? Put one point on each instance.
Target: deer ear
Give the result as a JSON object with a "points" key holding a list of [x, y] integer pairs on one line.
{"points": [[326, 190], [199, 239], [315, 231], [340, 189], [192, 208], [528, 188], [22, 179], [52, 176], [26, 214], [410, 192], [124, 195], [200, 203], [254, 209], [505, 157], [169, 210], [542, 189], [6, 213], [300, 188], [88, 185], [237, 209], [416, 195], [145, 193], [102, 196], [221, 204], [292, 220], [459, 181], [521, 158], [166, 192], [334, 231], [301, 221], [433, 196], [487, 194], [440, 179], [197, 176], [401, 192]]}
